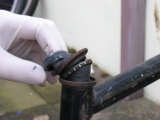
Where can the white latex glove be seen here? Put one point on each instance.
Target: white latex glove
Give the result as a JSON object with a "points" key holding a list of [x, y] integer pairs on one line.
{"points": [[24, 44]]}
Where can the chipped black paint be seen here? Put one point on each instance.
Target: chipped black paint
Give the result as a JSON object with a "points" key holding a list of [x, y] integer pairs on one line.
{"points": [[126, 83]]}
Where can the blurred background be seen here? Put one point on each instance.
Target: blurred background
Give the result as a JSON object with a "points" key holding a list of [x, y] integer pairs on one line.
{"points": [[119, 34]]}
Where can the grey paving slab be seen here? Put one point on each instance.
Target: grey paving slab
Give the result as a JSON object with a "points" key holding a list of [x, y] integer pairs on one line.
{"points": [[57, 106], [16, 97], [50, 93], [139, 109], [30, 114]]}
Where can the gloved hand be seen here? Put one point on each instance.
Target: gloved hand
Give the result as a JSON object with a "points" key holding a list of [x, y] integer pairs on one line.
{"points": [[24, 43]]}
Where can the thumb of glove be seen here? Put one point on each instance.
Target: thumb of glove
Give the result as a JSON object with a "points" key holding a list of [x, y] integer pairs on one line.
{"points": [[19, 70]]}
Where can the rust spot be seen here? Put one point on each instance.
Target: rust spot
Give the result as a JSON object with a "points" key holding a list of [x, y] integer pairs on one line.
{"points": [[34, 67], [104, 74], [134, 85], [82, 113]]}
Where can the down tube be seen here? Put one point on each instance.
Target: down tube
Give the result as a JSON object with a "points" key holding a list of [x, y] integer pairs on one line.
{"points": [[124, 84]]}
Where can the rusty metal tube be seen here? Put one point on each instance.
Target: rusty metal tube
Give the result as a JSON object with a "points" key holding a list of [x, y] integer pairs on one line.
{"points": [[80, 99], [76, 98]]}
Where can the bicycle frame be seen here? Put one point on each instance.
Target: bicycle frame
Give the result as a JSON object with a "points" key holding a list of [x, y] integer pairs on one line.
{"points": [[81, 98]]}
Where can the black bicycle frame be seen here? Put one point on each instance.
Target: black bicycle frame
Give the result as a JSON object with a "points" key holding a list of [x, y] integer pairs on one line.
{"points": [[81, 98]]}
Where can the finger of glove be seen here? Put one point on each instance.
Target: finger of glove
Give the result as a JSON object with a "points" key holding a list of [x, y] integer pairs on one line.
{"points": [[44, 31], [17, 69], [51, 79], [37, 56], [49, 38], [58, 35]]}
